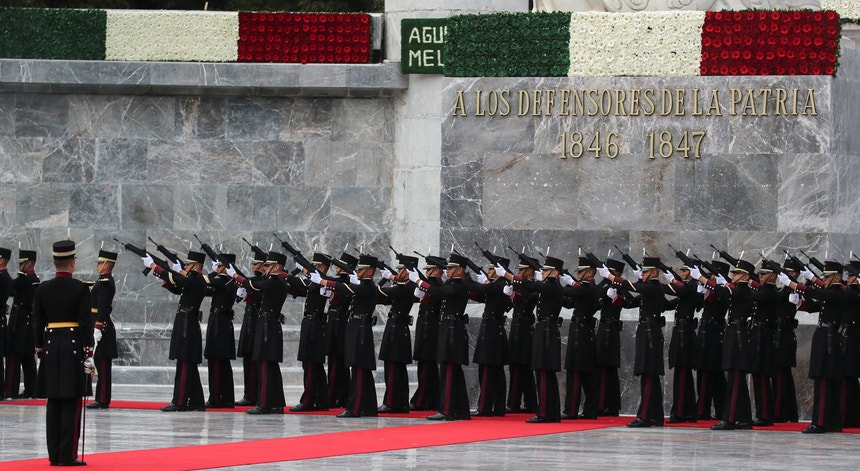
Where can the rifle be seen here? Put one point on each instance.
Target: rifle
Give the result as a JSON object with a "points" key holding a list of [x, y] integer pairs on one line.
{"points": [[297, 256], [171, 256], [797, 261], [592, 258], [215, 256], [399, 254], [814, 261], [688, 261], [142, 253], [726, 256], [258, 252], [532, 263], [702, 263], [627, 258], [563, 271], [493, 258], [472, 265], [774, 267]]}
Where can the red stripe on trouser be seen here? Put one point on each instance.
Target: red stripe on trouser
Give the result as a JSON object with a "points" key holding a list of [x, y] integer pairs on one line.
{"points": [[543, 393], [601, 400], [422, 383], [574, 405], [683, 372], [646, 398], [332, 376], [217, 385], [448, 373], [843, 396], [183, 372], [777, 408], [389, 384], [308, 383], [703, 391], [264, 378], [734, 403], [822, 399], [765, 406], [76, 435], [483, 394], [103, 382], [359, 381], [11, 368], [515, 387]]}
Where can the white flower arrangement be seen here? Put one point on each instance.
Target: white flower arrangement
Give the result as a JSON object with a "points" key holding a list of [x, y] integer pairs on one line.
{"points": [[845, 8], [150, 35], [644, 44]]}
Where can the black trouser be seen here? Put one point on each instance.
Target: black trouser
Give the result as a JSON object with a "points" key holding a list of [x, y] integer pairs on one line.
{"points": [[683, 393], [784, 396], [549, 403], [187, 388], [825, 406], [650, 398], [270, 386], [454, 398], [608, 391], [850, 402], [16, 363], [522, 393], [103, 381], [426, 397], [763, 392], [736, 406], [249, 378], [221, 382], [338, 381], [396, 386], [712, 390], [491, 400], [362, 393], [581, 384], [316, 390], [62, 428]]}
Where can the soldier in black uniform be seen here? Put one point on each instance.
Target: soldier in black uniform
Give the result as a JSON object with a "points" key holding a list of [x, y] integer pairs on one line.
{"points": [[269, 335], [312, 343], [5, 292], [336, 319], [850, 330], [710, 379], [63, 328], [682, 345], [826, 366], [453, 342], [359, 350], [785, 357], [19, 340], [395, 351], [426, 395], [522, 395], [580, 359], [101, 295], [491, 346], [546, 343], [649, 339], [247, 332], [186, 340], [762, 345], [220, 339], [608, 343]]}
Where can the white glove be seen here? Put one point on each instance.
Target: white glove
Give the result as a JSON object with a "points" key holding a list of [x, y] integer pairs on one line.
{"points": [[806, 274], [500, 270], [481, 278], [794, 298], [539, 275], [637, 273], [231, 271], [353, 278], [386, 273], [603, 271], [565, 280], [784, 279], [419, 294], [214, 266], [695, 273], [299, 266], [147, 260], [611, 293], [701, 289], [315, 277], [89, 365], [241, 292], [97, 335], [508, 290], [413, 276], [177, 266], [668, 276], [324, 291], [721, 280]]}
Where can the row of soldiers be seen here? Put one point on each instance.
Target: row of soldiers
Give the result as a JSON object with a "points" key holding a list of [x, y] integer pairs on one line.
{"points": [[746, 327]]}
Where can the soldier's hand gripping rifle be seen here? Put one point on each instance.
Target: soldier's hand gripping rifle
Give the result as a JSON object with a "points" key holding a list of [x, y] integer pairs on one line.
{"points": [[814, 261], [531, 262], [398, 255], [297, 255], [142, 253], [799, 263], [216, 256], [592, 258], [490, 256], [171, 256], [774, 267], [693, 261], [472, 265]]}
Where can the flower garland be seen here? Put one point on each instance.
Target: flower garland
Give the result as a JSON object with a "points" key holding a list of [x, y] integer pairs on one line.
{"points": [[647, 43], [55, 33], [847, 9], [304, 38], [770, 43], [171, 36]]}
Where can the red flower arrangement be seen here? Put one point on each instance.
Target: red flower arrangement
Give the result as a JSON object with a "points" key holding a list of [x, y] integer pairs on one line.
{"points": [[770, 43], [304, 37]]}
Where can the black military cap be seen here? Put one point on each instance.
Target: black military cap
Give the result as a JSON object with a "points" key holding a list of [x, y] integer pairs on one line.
{"points": [[853, 267], [196, 257], [615, 265], [106, 256], [26, 256], [503, 261], [321, 259], [366, 261], [63, 250], [721, 267], [764, 269], [831, 268], [529, 262], [275, 257], [650, 263], [230, 257], [406, 261], [259, 255], [744, 266], [433, 261], [792, 265], [346, 262], [552, 263], [456, 260], [5, 253], [585, 262]]}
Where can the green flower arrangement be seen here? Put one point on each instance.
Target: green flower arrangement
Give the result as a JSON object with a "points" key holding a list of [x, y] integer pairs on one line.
{"points": [[57, 33]]}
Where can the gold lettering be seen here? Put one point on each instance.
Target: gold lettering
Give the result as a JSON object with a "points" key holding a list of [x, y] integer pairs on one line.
{"points": [[696, 110], [794, 102], [493, 102], [714, 106], [536, 94], [737, 97], [578, 103], [679, 102], [523, 103], [605, 102], [478, 110], [749, 104], [565, 102], [779, 107], [620, 99], [505, 109], [592, 98], [665, 102], [550, 102], [809, 108], [634, 102], [765, 97], [459, 104], [649, 99]]}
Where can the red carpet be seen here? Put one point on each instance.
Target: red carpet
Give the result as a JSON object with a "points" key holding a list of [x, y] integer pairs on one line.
{"points": [[326, 445]]}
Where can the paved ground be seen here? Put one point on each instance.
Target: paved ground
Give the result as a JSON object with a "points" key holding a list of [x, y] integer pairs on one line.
{"points": [[22, 436]]}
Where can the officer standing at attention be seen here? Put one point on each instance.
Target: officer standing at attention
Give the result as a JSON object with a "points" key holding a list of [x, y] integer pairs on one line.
{"points": [[396, 347], [63, 328], [247, 331], [335, 330], [104, 333], [186, 339], [580, 359], [312, 341], [220, 339], [19, 340], [682, 345], [522, 395], [426, 395], [5, 292], [608, 340]]}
